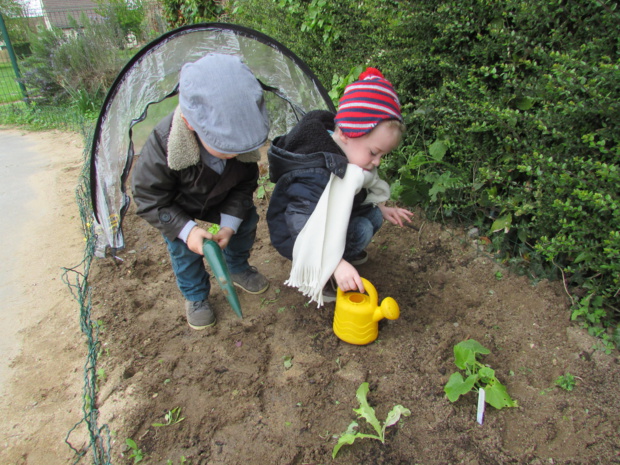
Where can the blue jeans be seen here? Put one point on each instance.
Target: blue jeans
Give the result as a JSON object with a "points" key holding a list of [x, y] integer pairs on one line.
{"points": [[189, 267], [360, 232]]}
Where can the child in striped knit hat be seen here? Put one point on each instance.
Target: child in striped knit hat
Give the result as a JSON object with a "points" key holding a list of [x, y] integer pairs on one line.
{"points": [[328, 201]]}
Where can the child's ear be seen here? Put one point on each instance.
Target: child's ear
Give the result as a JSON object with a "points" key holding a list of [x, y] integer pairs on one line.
{"points": [[189, 126], [341, 136]]}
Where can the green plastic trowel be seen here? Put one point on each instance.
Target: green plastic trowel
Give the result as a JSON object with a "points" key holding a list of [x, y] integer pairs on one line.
{"points": [[216, 261]]}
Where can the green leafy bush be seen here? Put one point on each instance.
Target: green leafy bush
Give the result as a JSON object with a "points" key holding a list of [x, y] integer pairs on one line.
{"points": [[511, 106], [512, 109], [77, 68], [181, 12], [128, 18]]}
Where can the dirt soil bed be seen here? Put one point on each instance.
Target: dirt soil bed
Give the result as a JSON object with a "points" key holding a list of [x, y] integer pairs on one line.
{"points": [[278, 386]]}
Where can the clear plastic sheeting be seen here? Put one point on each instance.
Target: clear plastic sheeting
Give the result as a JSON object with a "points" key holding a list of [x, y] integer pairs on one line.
{"points": [[152, 75]]}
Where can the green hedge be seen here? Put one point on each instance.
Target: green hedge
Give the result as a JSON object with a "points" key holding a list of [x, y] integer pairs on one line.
{"points": [[512, 109]]}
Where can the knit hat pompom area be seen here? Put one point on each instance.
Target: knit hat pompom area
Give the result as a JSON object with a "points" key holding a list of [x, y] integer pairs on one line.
{"points": [[367, 102], [370, 72]]}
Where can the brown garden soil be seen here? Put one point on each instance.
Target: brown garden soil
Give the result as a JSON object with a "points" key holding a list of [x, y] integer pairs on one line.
{"points": [[242, 402]]}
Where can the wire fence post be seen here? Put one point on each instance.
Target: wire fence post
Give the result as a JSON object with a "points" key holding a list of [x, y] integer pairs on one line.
{"points": [[13, 58]]}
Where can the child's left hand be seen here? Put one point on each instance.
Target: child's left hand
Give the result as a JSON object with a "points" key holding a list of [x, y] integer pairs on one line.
{"points": [[395, 215], [223, 237]]}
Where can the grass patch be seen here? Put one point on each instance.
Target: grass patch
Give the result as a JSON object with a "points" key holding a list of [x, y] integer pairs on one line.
{"points": [[9, 88], [38, 118]]}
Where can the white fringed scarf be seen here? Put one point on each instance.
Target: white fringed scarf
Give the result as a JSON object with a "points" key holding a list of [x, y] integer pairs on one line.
{"points": [[320, 245]]}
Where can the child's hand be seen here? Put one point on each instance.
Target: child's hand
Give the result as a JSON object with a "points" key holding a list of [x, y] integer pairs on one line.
{"points": [[347, 277], [223, 236], [395, 215], [196, 237]]}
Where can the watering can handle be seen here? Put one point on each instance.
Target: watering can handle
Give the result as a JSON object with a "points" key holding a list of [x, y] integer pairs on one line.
{"points": [[368, 287], [371, 291]]}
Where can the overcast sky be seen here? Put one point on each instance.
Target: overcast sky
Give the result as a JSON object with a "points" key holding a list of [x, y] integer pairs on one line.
{"points": [[34, 6]]}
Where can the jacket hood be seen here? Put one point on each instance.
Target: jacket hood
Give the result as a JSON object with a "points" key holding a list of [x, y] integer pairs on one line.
{"points": [[307, 145]]}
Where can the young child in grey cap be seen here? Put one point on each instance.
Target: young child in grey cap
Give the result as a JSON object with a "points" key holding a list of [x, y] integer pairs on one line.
{"points": [[200, 163]]}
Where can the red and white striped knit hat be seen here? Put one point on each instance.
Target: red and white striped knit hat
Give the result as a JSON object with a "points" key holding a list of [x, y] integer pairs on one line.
{"points": [[366, 103]]}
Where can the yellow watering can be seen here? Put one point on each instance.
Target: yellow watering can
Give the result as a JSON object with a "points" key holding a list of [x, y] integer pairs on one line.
{"points": [[357, 315]]}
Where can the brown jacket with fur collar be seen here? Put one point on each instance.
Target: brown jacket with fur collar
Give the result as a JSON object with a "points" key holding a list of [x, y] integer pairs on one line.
{"points": [[172, 185]]}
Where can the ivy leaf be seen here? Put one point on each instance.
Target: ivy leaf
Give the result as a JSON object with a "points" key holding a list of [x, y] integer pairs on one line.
{"points": [[457, 386]]}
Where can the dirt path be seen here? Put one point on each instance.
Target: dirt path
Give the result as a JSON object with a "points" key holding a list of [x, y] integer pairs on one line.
{"points": [[41, 390]]}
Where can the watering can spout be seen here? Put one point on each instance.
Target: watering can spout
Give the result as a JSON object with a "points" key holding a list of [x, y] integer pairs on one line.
{"points": [[357, 315], [389, 309]]}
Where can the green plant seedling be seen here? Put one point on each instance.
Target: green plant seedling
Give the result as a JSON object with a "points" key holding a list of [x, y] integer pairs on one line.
{"points": [[136, 453], [477, 376], [566, 382], [172, 417], [265, 187], [368, 413]]}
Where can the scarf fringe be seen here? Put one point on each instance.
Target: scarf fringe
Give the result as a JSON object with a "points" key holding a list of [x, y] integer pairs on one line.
{"points": [[308, 281], [321, 243]]}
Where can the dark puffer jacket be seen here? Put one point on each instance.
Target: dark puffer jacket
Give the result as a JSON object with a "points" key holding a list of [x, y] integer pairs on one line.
{"points": [[301, 163], [168, 198]]}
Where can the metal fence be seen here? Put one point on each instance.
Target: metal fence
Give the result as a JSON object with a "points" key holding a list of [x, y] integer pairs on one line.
{"points": [[15, 47]]}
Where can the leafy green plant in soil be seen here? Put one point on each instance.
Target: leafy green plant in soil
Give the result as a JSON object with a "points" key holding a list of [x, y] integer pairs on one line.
{"points": [[136, 453], [172, 417], [566, 382], [477, 375], [368, 413]]}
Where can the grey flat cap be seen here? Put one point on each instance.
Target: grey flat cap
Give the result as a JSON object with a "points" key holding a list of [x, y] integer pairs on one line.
{"points": [[222, 100]]}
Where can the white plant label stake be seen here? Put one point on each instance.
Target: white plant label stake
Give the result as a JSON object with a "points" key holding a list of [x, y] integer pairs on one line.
{"points": [[481, 404]]}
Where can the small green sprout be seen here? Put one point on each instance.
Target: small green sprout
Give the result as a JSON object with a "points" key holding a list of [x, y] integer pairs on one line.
{"points": [[368, 413], [136, 454], [265, 187], [566, 382], [172, 417]]}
